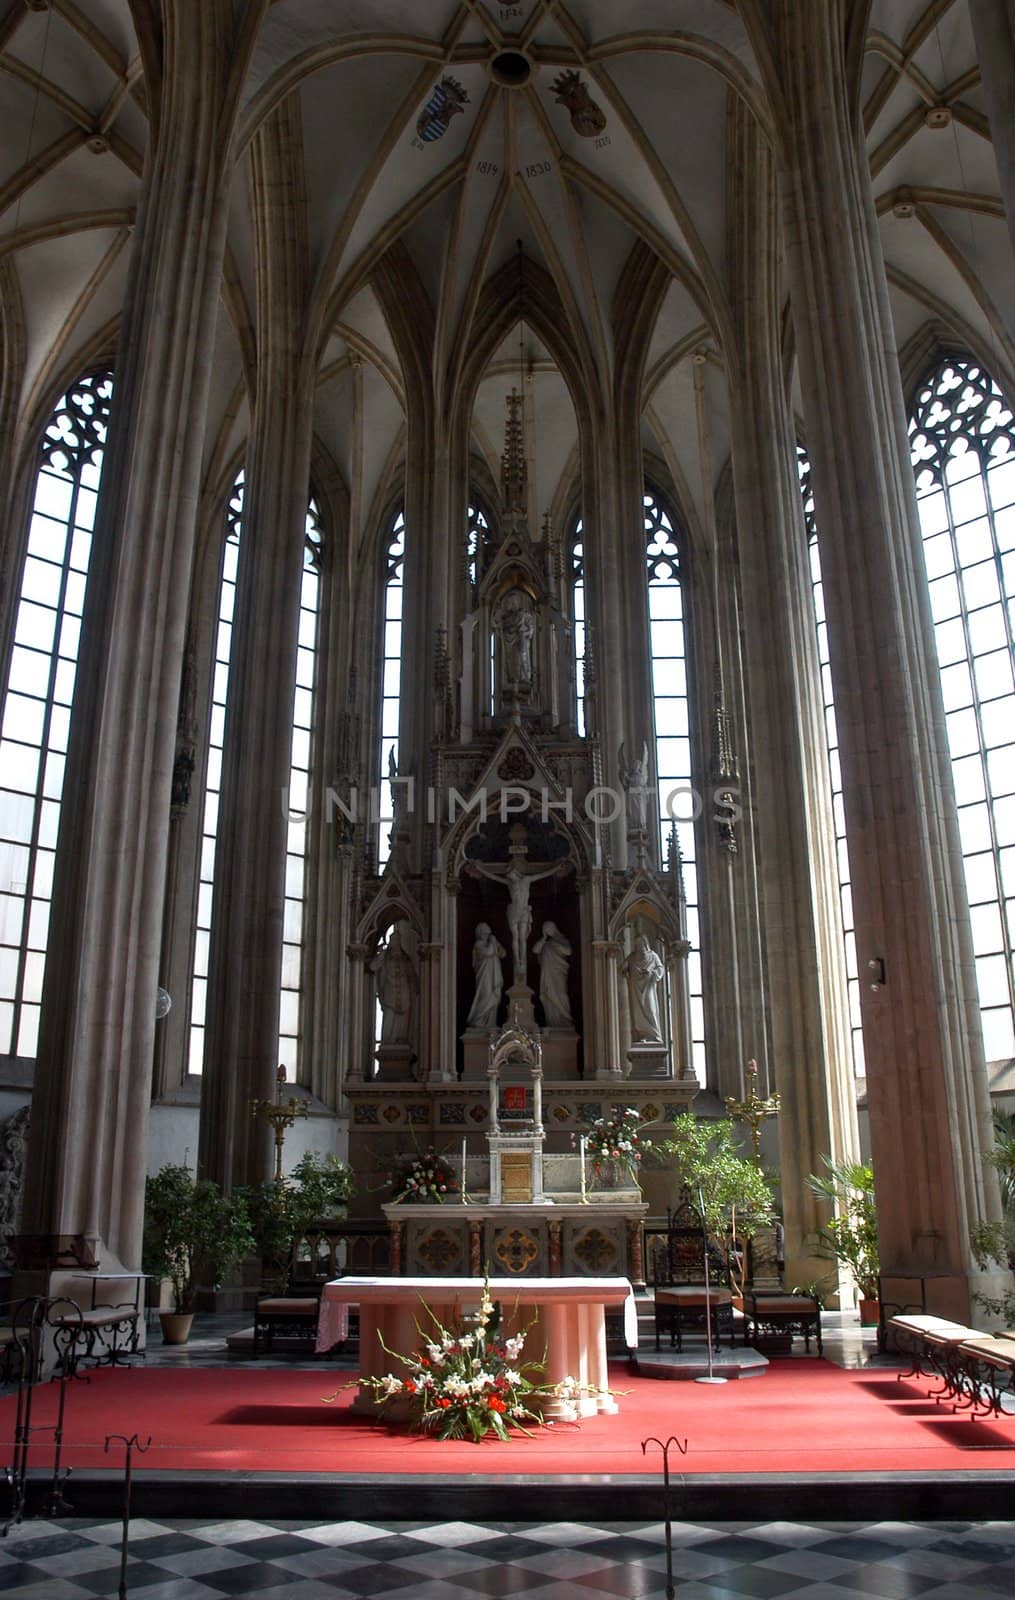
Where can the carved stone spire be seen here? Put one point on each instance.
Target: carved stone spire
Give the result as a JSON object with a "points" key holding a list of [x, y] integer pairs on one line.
{"points": [[513, 471], [726, 771]]}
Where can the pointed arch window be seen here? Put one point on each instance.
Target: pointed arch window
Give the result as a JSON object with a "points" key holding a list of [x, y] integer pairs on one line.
{"points": [[962, 438], [213, 770], [672, 731], [391, 675], [39, 696], [834, 766], [299, 792], [578, 619], [477, 542]]}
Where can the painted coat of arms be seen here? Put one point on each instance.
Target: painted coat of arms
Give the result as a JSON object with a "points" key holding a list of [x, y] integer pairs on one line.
{"points": [[587, 118], [448, 100]]}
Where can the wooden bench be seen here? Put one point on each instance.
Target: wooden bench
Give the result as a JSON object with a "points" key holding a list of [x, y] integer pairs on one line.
{"points": [[292, 1315], [975, 1370], [681, 1305], [104, 1334], [777, 1315]]}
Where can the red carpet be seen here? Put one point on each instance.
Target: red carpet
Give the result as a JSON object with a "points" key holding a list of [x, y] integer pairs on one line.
{"points": [[802, 1416]]}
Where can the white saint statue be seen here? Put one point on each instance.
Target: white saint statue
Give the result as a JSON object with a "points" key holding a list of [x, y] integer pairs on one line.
{"points": [[635, 781], [554, 952], [516, 630], [397, 988], [644, 972], [487, 955]]}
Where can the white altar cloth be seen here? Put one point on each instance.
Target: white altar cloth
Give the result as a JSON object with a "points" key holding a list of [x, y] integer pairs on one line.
{"points": [[567, 1332]]}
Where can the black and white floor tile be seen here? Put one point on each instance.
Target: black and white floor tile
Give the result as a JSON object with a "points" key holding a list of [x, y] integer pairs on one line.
{"points": [[203, 1560]]}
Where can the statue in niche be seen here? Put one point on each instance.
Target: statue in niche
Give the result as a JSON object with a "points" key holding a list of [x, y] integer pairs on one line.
{"points": [[635, 781], [554, 952], [518, 880], [397, 988], [517, 627], [644, 972], [487, 955]]}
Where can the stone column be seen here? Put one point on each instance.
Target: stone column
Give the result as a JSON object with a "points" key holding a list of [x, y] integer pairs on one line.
{"points": [[88, 1148], [247, 913], [805, 997], [994, 31], [361, 1061], [681, 1047], [929, 1108]]}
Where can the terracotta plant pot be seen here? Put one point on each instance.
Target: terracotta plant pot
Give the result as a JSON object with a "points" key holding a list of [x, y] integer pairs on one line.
{"points": [[175, 1326], [870, 1313]]}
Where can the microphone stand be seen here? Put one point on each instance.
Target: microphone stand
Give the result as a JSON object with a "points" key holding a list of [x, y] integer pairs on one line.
{"points": [[711, 1377]]}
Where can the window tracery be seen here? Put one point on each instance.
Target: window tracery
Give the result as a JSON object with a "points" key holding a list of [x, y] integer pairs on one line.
{"points": [[289, 1031], [213, 770], [677, 799], [39, 695], [578, 618], [834, 765], [962, 437], [391, 676]]}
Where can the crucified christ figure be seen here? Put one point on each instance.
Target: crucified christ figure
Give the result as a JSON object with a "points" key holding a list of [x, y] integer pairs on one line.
{"points": [[518, 880]]}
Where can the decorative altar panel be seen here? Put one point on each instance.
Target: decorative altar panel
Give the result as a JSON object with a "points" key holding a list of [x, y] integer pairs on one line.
{"points": [[520, 1242]]}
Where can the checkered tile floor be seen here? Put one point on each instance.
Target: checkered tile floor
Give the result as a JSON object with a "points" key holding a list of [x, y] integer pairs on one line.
{"points": [[191, 1560]]}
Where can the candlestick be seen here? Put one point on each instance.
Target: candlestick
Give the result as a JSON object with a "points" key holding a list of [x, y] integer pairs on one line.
{"points": [[753, 1110], [280, 1115]]}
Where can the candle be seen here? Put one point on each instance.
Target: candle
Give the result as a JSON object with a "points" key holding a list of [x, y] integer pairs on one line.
{"points": [[464, 1148], [581, 1147]]}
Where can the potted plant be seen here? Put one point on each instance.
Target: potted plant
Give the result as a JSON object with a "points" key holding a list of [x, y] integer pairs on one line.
{"points": [[731, 1192], [282, 1213], [192, 1234], [851, 1235]]}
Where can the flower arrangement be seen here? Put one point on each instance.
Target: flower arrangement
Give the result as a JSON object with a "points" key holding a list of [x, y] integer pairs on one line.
{"points": [[469, 1382], [427, 1179], [616, 1139]]}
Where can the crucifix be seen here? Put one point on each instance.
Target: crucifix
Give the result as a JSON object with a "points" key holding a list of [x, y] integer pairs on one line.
{"points": [[518, 877]]}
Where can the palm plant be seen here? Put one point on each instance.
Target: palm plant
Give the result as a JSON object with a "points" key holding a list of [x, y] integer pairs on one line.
{"points": [[851, 1235]]}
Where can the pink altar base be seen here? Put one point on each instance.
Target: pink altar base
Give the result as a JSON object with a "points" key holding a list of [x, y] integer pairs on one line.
{"points": [[565, 1318]]}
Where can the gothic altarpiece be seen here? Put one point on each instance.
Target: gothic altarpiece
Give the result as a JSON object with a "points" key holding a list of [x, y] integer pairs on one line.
{"points": [[519, 929]]}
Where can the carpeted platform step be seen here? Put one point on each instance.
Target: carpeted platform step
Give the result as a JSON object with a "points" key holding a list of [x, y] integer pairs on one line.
{"points": [[692, 1362]]}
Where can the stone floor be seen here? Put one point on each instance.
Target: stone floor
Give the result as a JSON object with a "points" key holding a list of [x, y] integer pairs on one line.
{"points": [[285, 1560]]}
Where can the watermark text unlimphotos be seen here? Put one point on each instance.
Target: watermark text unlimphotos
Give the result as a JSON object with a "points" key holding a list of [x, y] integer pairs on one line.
{"points": [[681, 803]]}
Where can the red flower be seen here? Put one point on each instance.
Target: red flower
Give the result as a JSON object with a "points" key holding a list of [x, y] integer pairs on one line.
{"points": [[444, 1404], [409, 1386], [495, 1403]]}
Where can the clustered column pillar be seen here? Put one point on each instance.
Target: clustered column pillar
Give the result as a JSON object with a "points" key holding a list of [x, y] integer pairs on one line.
{"points": [[88, 1149], [250, 863], [929, 1108], [798, 888]]}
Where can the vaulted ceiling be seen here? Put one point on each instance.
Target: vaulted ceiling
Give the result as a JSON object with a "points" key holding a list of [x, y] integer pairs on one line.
{"points": [[452, 131]]}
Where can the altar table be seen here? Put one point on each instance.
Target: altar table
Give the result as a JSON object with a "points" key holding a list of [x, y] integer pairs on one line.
{"points": [[567, 1332]]}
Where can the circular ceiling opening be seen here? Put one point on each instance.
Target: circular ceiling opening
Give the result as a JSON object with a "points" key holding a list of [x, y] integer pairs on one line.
{"points": [[510, 69]]}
